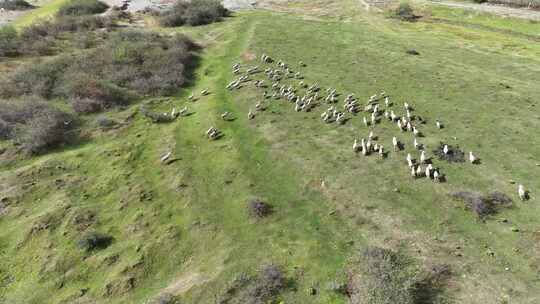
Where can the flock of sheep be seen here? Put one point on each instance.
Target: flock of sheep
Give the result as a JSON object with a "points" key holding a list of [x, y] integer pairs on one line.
{"points": [[377, 109]]}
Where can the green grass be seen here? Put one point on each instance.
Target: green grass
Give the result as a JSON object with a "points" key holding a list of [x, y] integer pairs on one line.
{"points": [[197, 226], [485, 20], [45, 11]]}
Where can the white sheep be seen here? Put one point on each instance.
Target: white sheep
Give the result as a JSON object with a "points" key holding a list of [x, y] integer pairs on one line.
{"points": [[445, 149], [436, 175], [356, 146], [395, 143], [251, 115], [472, 158], [423, 157], [522, 193], [438, 124], [419, 171]]}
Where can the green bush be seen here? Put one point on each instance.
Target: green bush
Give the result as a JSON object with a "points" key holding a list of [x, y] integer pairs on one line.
{"points": [[35, 125], [9, 42], [15, 5], [404, 12], [125, 66], [82, 7], [193, 13], [41, 38]]}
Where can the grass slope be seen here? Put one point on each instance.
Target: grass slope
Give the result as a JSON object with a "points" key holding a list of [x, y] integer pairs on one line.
{"points": [[184, 229]]}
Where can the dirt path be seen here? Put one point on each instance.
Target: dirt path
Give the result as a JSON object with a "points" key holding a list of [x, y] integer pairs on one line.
{"points": [[493, 9]]}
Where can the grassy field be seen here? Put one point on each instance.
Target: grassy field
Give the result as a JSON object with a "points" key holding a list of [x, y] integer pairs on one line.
{"points": [[184, 229], [45, 11]]}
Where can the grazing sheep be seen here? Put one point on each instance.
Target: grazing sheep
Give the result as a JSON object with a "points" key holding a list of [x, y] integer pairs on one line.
{"points": [[356, 147], [225, 115], [205, 92], [438, 124], [406, 106], [419, 171], [213, 133], [381, 151], [165, 157], [522, 193], [472, 158], [445, 150], [415, 131], [251, 115], [183, 111], [436, 176], [399, 125], [410, 163], [393, 115], [428, 171], [395, 143], [409, 126], [365, 122], [373, 118], [416, 144], [409, 157], [364, 148], [370, 136], [413, 172], [192, 96], [386, 114], [386, 101]]}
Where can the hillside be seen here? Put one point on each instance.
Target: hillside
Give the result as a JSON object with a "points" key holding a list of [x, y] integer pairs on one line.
{"points": [[107, 218]]}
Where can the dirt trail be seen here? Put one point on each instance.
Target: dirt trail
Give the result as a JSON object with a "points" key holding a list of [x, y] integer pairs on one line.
{"points": [[493, 9]]}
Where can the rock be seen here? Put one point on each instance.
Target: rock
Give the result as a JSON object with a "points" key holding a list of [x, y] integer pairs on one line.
{"points": [[396, 190]]}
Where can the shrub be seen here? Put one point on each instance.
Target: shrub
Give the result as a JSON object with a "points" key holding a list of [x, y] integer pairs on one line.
{"points": [[38, 79], [483, 205], [125, 66], [9, 43], [268, 285], [105, 122], [94, 241], [259, 209], [82, 7], [454, 155], [193, 13], [385, 278], [45, 130], [15, 5], [404, 12], [89, 95], [15, 113], [34, 125]]}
